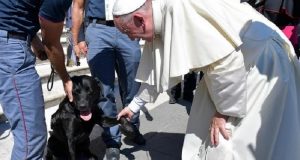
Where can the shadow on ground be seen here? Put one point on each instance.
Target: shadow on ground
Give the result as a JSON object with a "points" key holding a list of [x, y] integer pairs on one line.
{"points": [[185, 104], [159, 145]]}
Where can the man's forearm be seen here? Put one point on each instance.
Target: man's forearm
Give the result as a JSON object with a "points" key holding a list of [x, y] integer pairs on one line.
{"points": [[57, 59], [146, 94], [51, 33], [77, 19], [136, 104], [227, 84]]}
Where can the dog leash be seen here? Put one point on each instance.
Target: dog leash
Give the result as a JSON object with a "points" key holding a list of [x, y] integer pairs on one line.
{"points": [[52, 74], [51, 79]]}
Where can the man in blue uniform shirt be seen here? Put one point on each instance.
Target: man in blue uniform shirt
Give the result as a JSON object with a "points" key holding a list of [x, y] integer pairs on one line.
{"points": [[20, 87], [109, 51]]}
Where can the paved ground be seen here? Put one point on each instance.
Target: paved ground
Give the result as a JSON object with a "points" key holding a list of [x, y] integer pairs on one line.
{"points": [[163, 127]]}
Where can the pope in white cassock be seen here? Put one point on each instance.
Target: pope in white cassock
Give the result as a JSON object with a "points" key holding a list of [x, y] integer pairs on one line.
{"points": [[248, 105]]}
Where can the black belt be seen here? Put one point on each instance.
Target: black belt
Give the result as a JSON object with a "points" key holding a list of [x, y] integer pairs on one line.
{"points": [[16, 35], [102, 21]]}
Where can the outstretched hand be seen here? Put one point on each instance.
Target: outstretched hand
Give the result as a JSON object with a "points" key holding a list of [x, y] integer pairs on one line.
{"points": [[126, 112], [218, 126]]}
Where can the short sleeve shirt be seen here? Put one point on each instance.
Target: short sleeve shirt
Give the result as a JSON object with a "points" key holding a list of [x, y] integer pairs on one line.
{"points": [[21, 16], [54, 10], [96, 9]]}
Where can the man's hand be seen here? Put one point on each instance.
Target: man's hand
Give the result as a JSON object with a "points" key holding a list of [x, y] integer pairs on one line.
{"points": [[38, 48], [126, 112], [83, 47], [218, 126], [68, 85], [80, 49]]}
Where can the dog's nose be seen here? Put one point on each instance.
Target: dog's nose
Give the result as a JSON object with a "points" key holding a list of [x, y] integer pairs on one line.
{"points": [[82, 107]]}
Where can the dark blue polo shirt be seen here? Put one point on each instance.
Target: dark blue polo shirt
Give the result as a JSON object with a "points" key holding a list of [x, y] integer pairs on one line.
{"points": [[22, 15], [96, 9]]}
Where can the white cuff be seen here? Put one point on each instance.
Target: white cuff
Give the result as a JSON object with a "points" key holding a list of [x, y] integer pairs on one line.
{"points": [[136, 104]]}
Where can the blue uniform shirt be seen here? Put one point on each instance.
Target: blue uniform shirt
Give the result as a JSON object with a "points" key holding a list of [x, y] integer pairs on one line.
{"points": [[96, 9], [69, 18], [22, 15]]}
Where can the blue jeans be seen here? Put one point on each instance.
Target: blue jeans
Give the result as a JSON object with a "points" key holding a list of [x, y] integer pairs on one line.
{"points": [[110, 51], [70, 52], [21, 98]]}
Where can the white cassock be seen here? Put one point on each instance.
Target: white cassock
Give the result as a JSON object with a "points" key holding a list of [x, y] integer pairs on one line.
{"points": [[250, 70]]}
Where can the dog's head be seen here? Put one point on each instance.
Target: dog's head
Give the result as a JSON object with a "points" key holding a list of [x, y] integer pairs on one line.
{"points": [[87, 92]]}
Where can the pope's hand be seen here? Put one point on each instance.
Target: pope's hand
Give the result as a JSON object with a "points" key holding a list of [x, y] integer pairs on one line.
{"points": [[218, 126], [126, 112]]}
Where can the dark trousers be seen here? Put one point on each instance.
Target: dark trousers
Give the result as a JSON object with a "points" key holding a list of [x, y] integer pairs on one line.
{"points": [[189, 85]]}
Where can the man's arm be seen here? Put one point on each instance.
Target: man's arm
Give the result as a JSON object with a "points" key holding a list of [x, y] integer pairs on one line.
{"points": [[134, 106], [146, 94], [77, 19], [51, 32], [227, 85]]}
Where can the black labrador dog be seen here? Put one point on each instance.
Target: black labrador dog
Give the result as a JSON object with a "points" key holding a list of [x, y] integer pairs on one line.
{"points": [[73, 122]]}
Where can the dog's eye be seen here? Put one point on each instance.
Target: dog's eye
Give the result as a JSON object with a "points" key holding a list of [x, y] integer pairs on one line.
{"points": [[76, 91], [88, 90]]}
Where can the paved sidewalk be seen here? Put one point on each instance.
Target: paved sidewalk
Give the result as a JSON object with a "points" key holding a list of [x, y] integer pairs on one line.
{"points": [[163, 127], [164, 134]]}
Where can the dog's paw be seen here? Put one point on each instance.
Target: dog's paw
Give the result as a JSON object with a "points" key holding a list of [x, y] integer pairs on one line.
{"points": [[128, 129], [109, 121]]}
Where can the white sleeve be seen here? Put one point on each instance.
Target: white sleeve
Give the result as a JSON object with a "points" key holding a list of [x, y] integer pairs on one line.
{"points": [[226, 83], [136, 104], [146, 94]]}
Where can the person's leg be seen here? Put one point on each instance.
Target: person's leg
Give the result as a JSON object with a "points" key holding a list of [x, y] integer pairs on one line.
{"points": [[22, 99], [70, 53], [189, 86], [128, 57], [101, 60], [175, 93]]}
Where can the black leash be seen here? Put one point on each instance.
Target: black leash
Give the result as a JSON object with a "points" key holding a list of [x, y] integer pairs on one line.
{"points": [[52, 74], [51, 79]]}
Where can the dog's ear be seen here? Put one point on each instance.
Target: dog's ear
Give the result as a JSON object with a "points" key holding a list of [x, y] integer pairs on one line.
{"points": [[99, 83], [74, 78]]}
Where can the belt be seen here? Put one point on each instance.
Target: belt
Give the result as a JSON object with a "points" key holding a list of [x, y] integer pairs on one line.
{"points": [[102, 21], [16, 35]]}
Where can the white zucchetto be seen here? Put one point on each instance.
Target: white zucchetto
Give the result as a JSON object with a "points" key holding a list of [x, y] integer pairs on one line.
{"points": [[122, 7]]}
